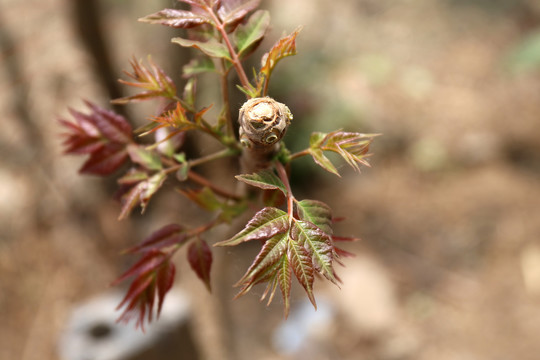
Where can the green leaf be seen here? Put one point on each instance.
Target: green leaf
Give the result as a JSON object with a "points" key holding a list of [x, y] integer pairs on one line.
{"points": [[316, 212], [316, 139], [176, 18], [318, 244], [265, 179], [323, 161], [212, 47], [265, 224], [198, 66], [252, 32], [148, 159]]}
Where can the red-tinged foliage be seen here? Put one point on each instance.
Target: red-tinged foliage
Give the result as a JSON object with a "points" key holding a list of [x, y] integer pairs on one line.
{"points": [[233, 11], [285, 46], [152, 79], [265, 224], [352, 147], [181, 19], [105, 160], [153, 277], [165, 237], [102, 134], [200, 259]]}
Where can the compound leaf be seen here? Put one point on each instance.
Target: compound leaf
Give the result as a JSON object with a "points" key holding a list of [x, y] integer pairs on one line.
{"points": [[319, 246], [266, 223]]}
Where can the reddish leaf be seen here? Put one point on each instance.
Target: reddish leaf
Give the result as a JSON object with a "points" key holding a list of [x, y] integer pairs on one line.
{"points": [[152, 79], [232, 11], [153, 276], [91, 132], [165, 237], [270, 254], [105, 160], [286, 46], [302, 266], [200, 260], [176, 18], [112, 126], [266, 223], [352, 147], [319, 246]]}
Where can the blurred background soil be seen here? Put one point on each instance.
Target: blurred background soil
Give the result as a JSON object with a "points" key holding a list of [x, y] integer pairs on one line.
{"points": [[449, 214]]}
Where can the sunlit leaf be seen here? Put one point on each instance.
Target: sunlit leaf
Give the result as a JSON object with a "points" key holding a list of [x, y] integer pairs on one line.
{"points": [[321, 160], [248, 35], [200, 260], [212, 47], [352, 147], [266, 223], [176, 18], [286, 46], [265, 179]]}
